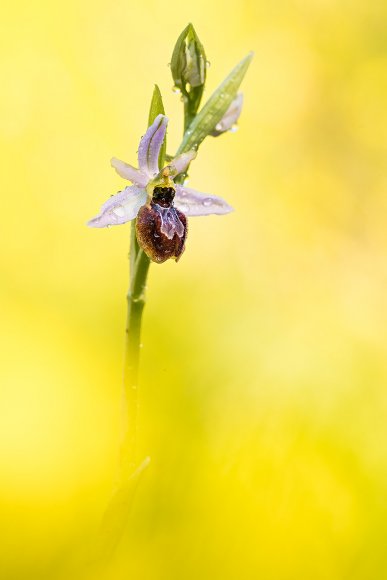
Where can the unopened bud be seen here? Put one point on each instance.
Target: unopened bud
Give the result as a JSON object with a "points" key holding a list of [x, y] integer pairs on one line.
{"points": [[188, 64], [230, 118]]}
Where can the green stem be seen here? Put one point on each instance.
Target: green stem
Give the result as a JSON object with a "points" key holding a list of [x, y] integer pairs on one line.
{"points": [[139, 266]]}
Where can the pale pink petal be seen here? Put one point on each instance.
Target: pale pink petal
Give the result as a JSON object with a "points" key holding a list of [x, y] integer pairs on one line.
{"points": [[193, 203], [181, 162], [120, 208], [150, 145], [128, 172]]}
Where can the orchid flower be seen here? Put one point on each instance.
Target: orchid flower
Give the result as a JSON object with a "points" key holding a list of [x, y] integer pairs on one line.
{"points": [[159, 204]]}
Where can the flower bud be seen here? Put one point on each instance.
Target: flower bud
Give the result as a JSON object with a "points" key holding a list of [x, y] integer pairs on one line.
{"points": [[188, 67], [188, 64], [230, 118]]}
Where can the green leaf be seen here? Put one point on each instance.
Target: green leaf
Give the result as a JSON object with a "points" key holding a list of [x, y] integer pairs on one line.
{"points": [[189, 71], [157, 108], [215, 108]]}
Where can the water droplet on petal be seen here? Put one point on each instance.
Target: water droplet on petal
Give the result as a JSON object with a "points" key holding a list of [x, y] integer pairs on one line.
{"points": [[119, 211], [234, 128], [176, 90]]}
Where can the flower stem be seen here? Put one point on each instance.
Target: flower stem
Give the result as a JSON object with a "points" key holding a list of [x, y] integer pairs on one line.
{"points": [[139, 266]]}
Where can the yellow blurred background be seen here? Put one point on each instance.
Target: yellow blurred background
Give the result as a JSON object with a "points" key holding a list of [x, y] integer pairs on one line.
{"points": [[264, 361]]}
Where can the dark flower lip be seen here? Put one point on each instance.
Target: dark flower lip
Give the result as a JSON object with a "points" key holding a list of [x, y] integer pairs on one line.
{"points": [[150, 225]]}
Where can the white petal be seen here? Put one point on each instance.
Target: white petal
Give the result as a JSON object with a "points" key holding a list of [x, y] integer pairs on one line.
{"points": [[181, 162], [128, 172], [193, 203], [120, 208]]}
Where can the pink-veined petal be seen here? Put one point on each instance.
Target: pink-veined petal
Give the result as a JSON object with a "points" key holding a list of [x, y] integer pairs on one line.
{"points": [[120, 208], [128, 172], [193, 203], [181, 162], [150, 145]]}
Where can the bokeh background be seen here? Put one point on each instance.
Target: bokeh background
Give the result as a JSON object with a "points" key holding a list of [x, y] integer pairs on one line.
{"points": [[264, 361]]}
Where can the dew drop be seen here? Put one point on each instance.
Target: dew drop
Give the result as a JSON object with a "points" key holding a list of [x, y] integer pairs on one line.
{"points": [[234, 129], [119, 211]]}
